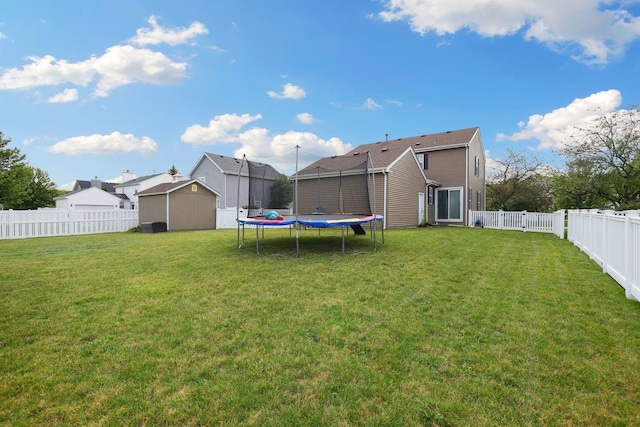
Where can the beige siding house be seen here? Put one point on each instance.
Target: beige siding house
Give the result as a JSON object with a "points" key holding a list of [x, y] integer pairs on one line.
{"points": [[185, 205], [435, 178], [399, 186]]}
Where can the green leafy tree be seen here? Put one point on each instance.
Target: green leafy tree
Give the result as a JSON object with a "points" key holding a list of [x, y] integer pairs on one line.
{"points": [[610, 145], [281, 192], [14, 175], [22, 186], [41, 191], [173, 170], [581, 186], [520, 182]]}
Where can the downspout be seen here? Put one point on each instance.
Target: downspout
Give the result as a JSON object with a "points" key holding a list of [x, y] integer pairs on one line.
{"points": [[384, 220], [466, 187]]}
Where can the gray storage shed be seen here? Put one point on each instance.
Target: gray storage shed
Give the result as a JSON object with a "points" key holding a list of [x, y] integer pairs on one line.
{"points": [[183, 205]]}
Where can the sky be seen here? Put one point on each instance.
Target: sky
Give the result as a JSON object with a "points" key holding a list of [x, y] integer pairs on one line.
{"points": [[94, 88]]}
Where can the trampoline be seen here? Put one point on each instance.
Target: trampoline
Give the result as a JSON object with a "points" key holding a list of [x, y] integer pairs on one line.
{"points": [[342, 191]]}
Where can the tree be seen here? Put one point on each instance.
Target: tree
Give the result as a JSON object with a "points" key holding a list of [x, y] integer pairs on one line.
{"points": [[610, 145], [519, 182], [281, 192], [22, 186], [581, 186], [41, 191], [14, 175], [173, 170]]}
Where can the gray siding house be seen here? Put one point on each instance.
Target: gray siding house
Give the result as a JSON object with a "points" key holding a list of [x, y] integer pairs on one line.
{"points": [[223, 174]]}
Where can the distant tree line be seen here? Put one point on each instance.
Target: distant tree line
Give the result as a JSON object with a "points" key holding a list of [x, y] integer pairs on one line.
{"points": [[23, 186], [602, 171]]}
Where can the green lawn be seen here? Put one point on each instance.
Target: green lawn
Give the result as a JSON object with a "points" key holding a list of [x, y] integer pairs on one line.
{"points": [[441, 326]]}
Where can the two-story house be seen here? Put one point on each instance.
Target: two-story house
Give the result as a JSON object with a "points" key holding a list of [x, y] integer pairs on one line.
{"points": [[433, 178]]}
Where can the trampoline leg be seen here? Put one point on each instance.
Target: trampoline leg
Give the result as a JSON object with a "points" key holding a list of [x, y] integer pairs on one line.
{"points": [[343, 240], [257, 239]]}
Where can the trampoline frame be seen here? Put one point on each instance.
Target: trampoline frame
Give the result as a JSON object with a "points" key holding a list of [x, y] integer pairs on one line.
{"points": [[311, 220]]}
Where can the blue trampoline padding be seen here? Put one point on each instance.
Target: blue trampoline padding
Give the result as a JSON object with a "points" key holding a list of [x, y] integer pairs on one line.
{"points": [[267, 222], [314, 220]]}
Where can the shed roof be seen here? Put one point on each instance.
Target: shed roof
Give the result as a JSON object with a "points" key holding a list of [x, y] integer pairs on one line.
{"points": [[168, 187]]}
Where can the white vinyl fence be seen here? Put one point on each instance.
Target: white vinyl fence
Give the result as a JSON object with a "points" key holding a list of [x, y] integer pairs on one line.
{"points": [[64, 222], [522, 221], [612, 240]]}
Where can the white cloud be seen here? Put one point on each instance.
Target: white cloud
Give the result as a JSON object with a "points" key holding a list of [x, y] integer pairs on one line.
{"points": [[47, 71], [393, 102], [222, 129], [217, 49], [67, 95], [306, 118], [257, 144], [370, 104], [599, 29], [158, 34], [121, 65], [289, 91], [118, 66], [2, 36], [555, 129], [105, 144]]}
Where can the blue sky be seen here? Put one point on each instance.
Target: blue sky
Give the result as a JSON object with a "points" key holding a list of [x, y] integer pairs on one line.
{"points": [[94, 88]]}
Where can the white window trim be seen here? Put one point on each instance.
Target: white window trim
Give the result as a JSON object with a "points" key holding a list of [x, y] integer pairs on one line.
{"points": [[462, 195]]}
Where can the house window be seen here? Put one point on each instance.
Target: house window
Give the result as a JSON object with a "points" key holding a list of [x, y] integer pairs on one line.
{"points": [[430, 197], [449, 204], [423, 159], [477, 169], [194, 187]]}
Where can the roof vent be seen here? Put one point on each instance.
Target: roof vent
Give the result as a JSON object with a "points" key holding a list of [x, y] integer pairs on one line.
{"points": [[356, 153], [399, 139], [417, 143], [448, 131], [422, 136], [384, 149]]}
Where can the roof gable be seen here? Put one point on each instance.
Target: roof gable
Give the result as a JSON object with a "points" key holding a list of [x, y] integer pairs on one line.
{"points": [[169, 187], [231, 165]]}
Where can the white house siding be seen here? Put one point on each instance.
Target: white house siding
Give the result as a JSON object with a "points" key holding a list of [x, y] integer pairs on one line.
{"points": [[405, 182], [90, 199]]}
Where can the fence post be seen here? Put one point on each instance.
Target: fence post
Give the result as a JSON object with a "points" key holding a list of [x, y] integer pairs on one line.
{"points": [[524, 221], [9, 223], [500, 219], [628, 266]]}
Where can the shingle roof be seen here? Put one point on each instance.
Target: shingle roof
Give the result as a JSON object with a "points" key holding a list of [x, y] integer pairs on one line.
{"points": [[420, 143], [167, 187], [380, 159], [383, 153], [231, 165], [139, 179], [108, 186]]}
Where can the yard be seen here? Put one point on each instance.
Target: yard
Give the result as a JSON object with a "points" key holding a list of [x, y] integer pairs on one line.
{"points": [[441, 326]]}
